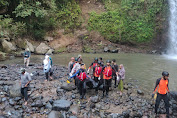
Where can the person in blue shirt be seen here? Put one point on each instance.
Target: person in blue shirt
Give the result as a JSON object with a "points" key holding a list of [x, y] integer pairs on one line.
{"points": [[27, 55]]}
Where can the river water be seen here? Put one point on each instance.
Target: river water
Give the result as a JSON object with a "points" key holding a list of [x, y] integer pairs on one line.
{"points": [[141, 69]]}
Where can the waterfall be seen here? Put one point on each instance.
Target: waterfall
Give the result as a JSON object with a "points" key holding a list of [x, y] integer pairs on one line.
{"points": [[172, 31]]}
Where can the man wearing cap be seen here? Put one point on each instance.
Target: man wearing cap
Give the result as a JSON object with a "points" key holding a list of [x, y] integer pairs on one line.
{"points": [[27, 55], [25, 80]]}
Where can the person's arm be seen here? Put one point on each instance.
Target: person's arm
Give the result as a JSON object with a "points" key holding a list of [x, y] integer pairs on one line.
{"points": [[73, 69], [168, 86], [69, 67], [29, 79], [75, 74], [156, 86], [90, 66]]}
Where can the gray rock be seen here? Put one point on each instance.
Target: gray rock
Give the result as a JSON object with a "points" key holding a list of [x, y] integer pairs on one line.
{"points": [[68, 87], [2, 116], [42, 48], [140, 92], [94, 99], [72, 117], [48, 106], [106, 49], [15, 90], [12, 102], [3, 99], [30, 46], [55, 114], [8, 46], [61, 105], [47, 38], [38, 103], [50, 51], [115, 51]]}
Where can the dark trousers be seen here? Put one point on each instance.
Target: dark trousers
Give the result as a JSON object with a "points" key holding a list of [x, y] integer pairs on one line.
{"points": [[24, 92], [106, 85], [82, 88], [166, 100], [96, 79], [47, 74], [114, 77], [99, 84]]}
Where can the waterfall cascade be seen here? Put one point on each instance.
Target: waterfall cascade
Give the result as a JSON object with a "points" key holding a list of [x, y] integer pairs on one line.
{"points": [[172, 32]]}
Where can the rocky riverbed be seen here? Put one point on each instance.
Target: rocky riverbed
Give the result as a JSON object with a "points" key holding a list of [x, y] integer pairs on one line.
{"points": [[57, 99]]}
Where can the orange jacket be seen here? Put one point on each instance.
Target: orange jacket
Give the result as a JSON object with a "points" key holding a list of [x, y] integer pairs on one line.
{"points": [[162, 86]]}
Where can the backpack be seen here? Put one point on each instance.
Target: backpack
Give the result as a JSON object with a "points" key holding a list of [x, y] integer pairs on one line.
{"points": [[82, 76], [108, 72], [98, 70]]}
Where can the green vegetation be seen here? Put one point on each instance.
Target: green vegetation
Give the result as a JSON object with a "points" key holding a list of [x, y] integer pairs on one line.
{"points": [[36, 17], [128, 20]]}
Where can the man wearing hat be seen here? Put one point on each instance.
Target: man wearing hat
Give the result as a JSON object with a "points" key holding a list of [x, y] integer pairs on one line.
{"points": [[25, 80]]}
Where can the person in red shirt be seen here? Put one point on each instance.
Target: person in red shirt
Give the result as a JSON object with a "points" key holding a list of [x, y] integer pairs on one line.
{"points": [[163, 89], [107, 77]]}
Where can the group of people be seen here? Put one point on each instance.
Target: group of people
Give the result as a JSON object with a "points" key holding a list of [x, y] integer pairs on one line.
{"points": [[102, 75]]}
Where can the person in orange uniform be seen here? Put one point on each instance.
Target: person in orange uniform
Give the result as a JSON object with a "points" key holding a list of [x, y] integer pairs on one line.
{"points": [[163, 89], [107, 77], [94, 64]]}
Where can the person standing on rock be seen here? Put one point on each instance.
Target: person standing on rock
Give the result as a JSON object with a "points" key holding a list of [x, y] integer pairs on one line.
{"points": [[121, 77], [107, 77], [163, 89], [25, 80], [94, 64], [81, 75], [114, 76], [47, 67], [27, 55], [75, 68], [71, 64]]}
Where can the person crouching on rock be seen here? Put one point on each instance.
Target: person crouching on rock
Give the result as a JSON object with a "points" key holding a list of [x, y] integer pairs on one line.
{"points": [[107, 77], [25, 80], [47, 67], [162, 86], [81, 75]]}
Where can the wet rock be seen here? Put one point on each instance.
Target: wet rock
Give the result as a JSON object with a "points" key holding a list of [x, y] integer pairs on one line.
{"points": [[59, 91], [61, 105], [17, 99], [48, 106], [55, 114], [3, 99], [106, 49], [68, 87], [12, 102], [115, 51], [72, 117], [74, 109], [15, 90], [140, 92], [2, 116], [114, 115], [73, 96], [94, 99], [126, 114], [38, 103], [173, 94], [42, 48]]}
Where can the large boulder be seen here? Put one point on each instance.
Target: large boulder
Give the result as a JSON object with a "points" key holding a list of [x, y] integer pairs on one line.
{"points": [[42, 48], [63, 105], [2, 56], [8, 46], [15, 90], [50, 52], [173, 94], [30, 46], [68, 87]]}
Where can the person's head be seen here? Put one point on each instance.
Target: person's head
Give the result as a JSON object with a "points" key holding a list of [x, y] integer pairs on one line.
{"points": [[101, 59], [82, 66], [121, 66], [72, 59], [96, 60], [47, 57], [79, 61], [22, 70], [113, 61], [108, 62], [165, 75], [79, 56], [99, 63]]}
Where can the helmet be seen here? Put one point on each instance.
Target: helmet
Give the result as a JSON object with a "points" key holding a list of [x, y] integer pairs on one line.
{"points": [[165, 73], [46, 56], [99, 62], [108, 61], [76, 59], [96, 59]]}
